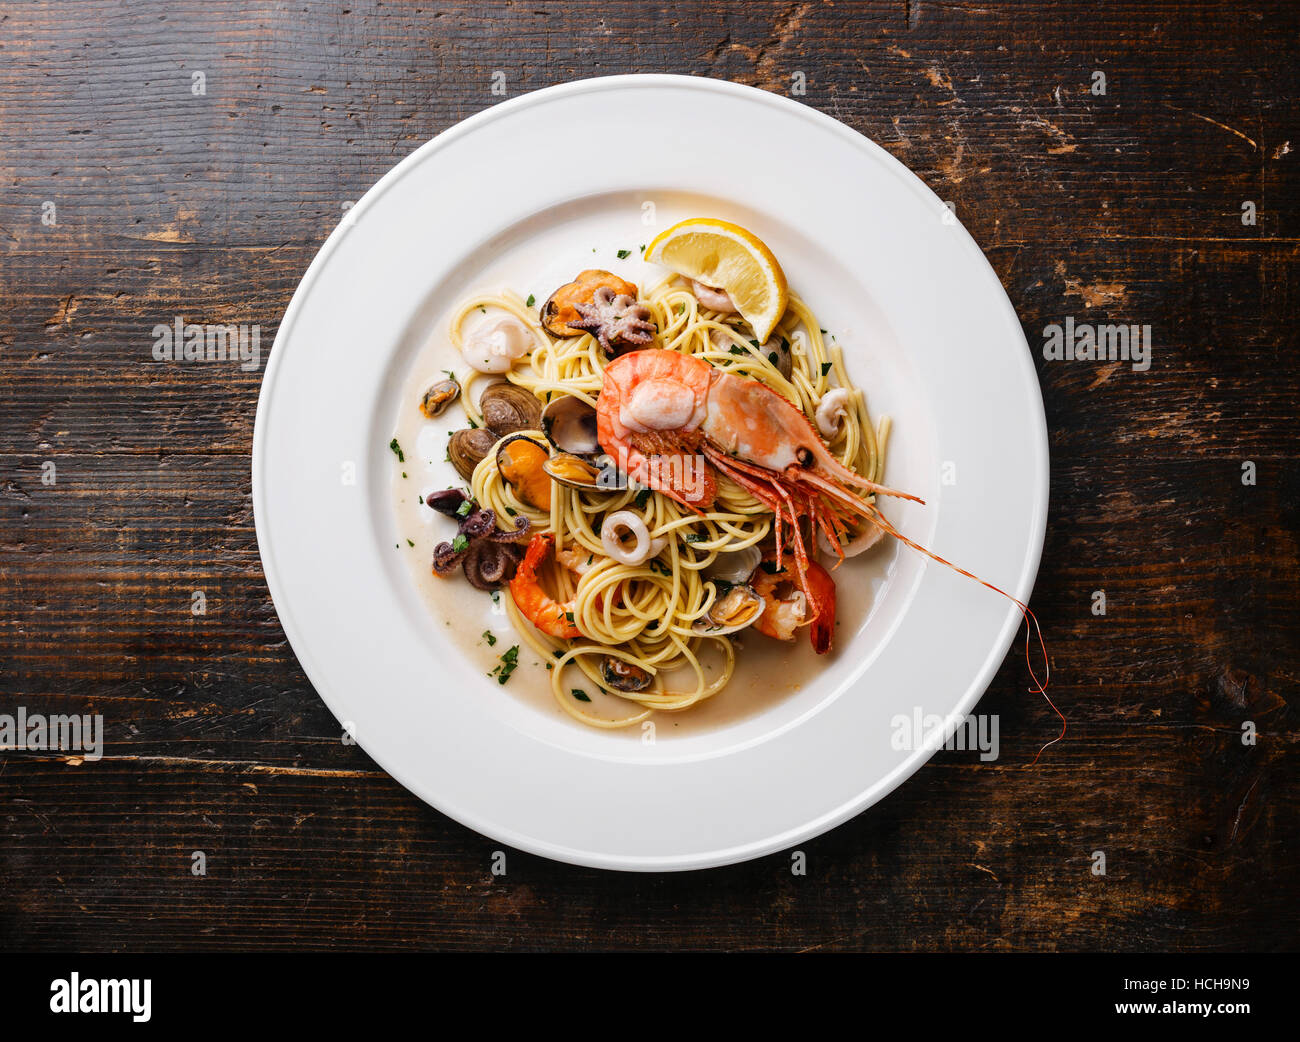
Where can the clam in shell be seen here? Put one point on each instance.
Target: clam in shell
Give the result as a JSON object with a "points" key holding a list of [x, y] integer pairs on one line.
{"points": [[619, 675], [508, 408], [739, 607], [569, 423], [438, 397], [467, 448]]}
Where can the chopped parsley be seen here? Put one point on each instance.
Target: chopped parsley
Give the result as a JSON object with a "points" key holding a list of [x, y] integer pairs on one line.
{"points": [[465, 509], [697, 537], [771, 357], [459, 543], [738, 350], [826, 367], [657, 565], [451, 376], [624, 254], [642, 498], [643, 247], [401, 456], [490, 637], [508, 663], [530, 301], [409, 543], [581, 695]]}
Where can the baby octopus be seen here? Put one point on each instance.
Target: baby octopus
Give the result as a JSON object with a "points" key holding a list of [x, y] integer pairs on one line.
{"points": [[616, 320]]}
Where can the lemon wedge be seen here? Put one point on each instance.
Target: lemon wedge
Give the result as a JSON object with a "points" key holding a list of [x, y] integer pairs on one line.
{"points": [[728, 257]]}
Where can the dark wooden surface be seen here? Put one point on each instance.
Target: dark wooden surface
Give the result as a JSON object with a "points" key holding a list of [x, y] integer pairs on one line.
{"points": [[1124, 207]]}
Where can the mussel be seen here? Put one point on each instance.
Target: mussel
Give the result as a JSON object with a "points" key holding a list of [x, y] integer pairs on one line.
{"points": [[569, 424], [620, 675], [467, 448], [508, 408], [739, 607], [522, 463], [561, 307], [438, 397]]}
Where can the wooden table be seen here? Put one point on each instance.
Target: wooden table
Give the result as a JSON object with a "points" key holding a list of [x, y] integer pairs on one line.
{"points": [[188, 159]]}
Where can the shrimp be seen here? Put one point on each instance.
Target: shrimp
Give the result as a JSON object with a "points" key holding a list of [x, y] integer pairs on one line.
{"points": [[657, 404], [674, 422], [786, 607], [543, 611]]}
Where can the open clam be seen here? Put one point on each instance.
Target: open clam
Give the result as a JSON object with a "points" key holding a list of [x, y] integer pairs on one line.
{"points": [[569, 424], [574, 471], [735, 567], [619, 675], [522, 463], [739, 607], [438, 397]]}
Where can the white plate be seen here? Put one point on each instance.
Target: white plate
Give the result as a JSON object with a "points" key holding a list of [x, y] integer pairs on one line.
{"points": [[927, 330]]}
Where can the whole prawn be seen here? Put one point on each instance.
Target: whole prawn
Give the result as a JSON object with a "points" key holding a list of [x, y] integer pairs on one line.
{"points": [[658, 404]]}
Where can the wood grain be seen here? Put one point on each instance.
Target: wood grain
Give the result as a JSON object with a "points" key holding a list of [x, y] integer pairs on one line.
{"points": [[1123, 207]]}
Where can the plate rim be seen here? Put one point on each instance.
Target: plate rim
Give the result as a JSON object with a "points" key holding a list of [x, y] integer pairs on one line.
{"points": [[980, 680]]}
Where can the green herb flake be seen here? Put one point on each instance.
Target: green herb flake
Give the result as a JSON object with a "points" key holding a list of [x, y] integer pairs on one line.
{"points": [[451, 376], [624, 254], [643, 247], [738, 350], [697, 537], [771, 357], [530, 301], [490, 637], [642, 498], [581, 695], [508, 663], [401, 456], [465, 509], [409, 543], [459, 543], [826, 367], [769, 567]]}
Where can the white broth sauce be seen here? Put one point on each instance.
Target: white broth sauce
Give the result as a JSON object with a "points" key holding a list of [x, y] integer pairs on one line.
{"points": [[767, 671]]}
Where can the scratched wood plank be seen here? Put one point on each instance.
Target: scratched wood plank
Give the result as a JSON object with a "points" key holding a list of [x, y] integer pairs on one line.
{"points": [[1122, 207]]}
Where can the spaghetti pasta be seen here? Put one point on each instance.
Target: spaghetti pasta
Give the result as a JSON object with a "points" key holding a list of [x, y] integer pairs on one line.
{"points": [[650, 616]]}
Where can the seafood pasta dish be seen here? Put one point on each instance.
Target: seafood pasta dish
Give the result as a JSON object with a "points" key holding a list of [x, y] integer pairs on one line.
{"points": [[654, 477]]}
